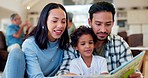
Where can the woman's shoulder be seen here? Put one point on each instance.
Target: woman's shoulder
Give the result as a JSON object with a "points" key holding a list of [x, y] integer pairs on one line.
{"points": [[29, 41], [29, 44], [31, 38]]}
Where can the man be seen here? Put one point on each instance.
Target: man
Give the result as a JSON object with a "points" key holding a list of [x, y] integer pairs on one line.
{"points": [[112, 47], [71, 26], [15, 32]]}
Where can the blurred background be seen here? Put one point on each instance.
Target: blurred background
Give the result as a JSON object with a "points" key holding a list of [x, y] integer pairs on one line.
{"points": [[131, 16], [131, 20]]}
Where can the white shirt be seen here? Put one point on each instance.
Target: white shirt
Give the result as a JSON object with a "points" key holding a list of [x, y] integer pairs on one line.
{"points": [[98, 65]]}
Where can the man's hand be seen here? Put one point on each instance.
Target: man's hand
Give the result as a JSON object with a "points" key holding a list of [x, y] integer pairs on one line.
{"points": [[135, 75]]}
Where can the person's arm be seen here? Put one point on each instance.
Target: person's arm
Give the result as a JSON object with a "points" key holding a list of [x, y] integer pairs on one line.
{"points": [[32, 63], [29, 25], [18, 34], [75, 67], [68, 56], [103, 65]]}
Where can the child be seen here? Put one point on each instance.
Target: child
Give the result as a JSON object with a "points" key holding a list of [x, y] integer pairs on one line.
{"points": [[82, 40]]}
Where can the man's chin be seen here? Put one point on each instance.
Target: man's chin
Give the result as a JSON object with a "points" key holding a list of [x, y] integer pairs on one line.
{"points": [[102, 39]]}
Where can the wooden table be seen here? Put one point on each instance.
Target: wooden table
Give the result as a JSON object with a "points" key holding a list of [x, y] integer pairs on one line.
{"points": [[144, 59]]}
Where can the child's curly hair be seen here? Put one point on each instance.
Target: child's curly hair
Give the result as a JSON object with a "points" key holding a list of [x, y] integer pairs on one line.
{"points": [[76, 34]]}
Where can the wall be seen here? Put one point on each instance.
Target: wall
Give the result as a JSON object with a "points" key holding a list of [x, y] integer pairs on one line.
{"points": [[17, 7], [39, 6], [130, 3], [136, 18]]}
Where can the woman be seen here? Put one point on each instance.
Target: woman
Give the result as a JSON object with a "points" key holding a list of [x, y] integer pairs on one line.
{"points": [[45, 46]]}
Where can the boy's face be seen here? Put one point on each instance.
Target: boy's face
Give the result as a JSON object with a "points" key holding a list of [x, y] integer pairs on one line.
{"points": [[85, 45], [101, 24]]}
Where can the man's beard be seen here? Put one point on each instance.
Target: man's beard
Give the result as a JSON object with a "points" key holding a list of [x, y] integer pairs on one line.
{"points": [[101, 39]]}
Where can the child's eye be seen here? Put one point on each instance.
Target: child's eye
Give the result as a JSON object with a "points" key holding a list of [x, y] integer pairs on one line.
{"points": [[82, 43]]}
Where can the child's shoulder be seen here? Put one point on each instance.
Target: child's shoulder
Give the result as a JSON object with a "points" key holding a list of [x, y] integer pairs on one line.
{"points": [[99, 57], [75, 60]]}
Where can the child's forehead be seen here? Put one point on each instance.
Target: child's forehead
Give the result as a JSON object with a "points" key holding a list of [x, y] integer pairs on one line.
{"points": [[85, 36]]}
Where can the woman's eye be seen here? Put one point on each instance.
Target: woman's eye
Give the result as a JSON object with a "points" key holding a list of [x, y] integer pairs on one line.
{"points": [[63, 22], [54, 21], [91, 42]]}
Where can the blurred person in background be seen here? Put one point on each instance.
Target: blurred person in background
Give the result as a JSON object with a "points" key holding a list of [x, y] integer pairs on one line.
{"points": [[15, 32], [71, 25]]}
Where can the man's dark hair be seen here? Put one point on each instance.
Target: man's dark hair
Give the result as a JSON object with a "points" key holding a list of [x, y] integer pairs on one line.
{"points": [[101, 7]]}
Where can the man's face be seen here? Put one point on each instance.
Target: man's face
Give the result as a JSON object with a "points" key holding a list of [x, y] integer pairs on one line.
{"points": [[18, 20], [101, 24]]}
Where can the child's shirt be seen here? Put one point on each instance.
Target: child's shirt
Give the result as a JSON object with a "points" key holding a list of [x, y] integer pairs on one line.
{"points": [[98, 65]]}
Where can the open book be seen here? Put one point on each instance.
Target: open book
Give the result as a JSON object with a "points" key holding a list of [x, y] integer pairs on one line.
{"points": [[127, 68], [122, 71]]}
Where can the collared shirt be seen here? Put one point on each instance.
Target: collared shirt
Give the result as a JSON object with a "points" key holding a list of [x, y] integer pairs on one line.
{"points": [[117, 52], [10, 39]]}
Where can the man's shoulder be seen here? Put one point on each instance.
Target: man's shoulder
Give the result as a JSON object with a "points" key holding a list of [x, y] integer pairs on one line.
{"points": [[11, 26], [114, 37]]}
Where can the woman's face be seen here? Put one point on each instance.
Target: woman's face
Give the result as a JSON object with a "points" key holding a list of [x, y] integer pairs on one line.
{"points": [[56, 23]]}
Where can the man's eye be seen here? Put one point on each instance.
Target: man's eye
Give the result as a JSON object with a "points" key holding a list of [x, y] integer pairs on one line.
{"points": [[98, 24], [108, 24]]}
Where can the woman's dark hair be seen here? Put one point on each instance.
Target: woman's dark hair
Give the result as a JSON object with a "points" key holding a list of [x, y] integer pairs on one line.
{"points": [[40, 32], [101, 7], [79, 32]]}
